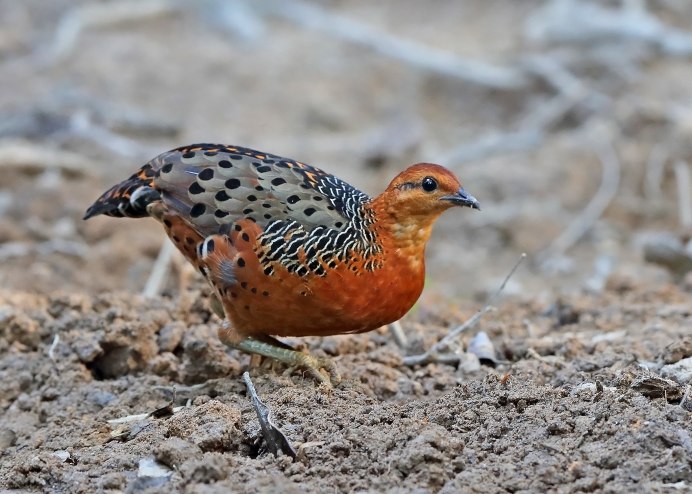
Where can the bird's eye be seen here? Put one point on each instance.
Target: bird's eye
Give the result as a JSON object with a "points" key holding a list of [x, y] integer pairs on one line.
{"points": [[429, 184]]}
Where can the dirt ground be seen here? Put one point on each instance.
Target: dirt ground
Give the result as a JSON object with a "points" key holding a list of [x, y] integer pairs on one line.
{"points": [[578, 161]]}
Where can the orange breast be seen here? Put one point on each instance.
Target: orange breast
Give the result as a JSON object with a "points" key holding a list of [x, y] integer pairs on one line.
{"points": [[342, 301]]}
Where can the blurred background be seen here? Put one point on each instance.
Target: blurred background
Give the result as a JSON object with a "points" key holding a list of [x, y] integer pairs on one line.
{"points": [[569, 121]]}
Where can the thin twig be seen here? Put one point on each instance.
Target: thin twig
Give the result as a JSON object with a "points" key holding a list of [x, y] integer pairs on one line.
{"points": [[493, 143], [76, 20], [304, 14], [554, 360], [410, 52], [668, 251], [53, 346], [684, 185], [535, 127], [9, 250], [571, 91], [398, 334], [432, 354], [275, 439], [582, 21], [555, 74], [83, 126], [655, 167], [159, 272], [610, 181], [684, 397], [140, 416], [18, 154]]}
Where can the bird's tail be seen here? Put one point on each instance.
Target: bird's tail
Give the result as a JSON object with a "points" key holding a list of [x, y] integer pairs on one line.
{"points": [[129, 198]]}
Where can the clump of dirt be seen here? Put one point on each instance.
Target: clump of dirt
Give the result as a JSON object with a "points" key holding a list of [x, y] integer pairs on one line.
{"points": [[581, 404]]}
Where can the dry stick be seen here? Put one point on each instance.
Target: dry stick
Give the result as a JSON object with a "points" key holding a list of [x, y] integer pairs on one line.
{"points": [[610, 181], [85, 127], [570, 93], [655, 167], [9, 250], [579, 21], [432, 354], [571, 90], [140, 416], [684, 183], [53, 346], [554, 361], [304, 14], [410, 52], [19, 154], [275, 439], [492, 144], [535, 126], [236, 17], [76, 20], [684, 397], [398, 334], [159, 272], [555, 74]]}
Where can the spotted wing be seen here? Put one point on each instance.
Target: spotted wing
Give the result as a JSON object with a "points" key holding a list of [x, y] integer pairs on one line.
{"points": [[215, 185]]}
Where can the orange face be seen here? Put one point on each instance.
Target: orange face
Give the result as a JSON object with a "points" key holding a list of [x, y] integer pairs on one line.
{"points": [[426, 190]]}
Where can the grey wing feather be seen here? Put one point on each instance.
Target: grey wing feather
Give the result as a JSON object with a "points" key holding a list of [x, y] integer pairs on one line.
{"points": [[214, 185]]}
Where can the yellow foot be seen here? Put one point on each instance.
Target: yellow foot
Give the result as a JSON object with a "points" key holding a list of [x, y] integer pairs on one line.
{"points": [[283, 353]]}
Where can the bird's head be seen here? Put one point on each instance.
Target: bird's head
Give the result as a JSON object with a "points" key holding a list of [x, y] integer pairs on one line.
{"points": [[424, 191], [417, 197]]}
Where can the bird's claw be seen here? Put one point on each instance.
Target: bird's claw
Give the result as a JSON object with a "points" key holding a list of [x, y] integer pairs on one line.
{"points": [[323, 370]]}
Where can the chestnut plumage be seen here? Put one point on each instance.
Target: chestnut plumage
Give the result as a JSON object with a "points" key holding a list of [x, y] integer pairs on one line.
{"points": [[289, 249]]}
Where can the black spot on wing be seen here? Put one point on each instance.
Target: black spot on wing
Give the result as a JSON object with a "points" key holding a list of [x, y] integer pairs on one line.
{"points": [[206, 174], [198, 210], [195, 189]]}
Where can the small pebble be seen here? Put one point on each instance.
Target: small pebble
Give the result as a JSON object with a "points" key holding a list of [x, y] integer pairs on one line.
{"points": [[8, 438], [680, 371], [62, 454], [149, 467]]}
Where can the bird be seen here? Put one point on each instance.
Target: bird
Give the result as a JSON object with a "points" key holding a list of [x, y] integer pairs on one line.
{"points": [[288, 249]]}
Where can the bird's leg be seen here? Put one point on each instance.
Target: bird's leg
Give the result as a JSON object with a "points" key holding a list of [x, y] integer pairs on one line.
{"points": [[292, 358], [273, 348], [216, 306]]}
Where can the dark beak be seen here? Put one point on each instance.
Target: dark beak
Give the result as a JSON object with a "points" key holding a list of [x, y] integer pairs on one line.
{"points": [[463, 198]]}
